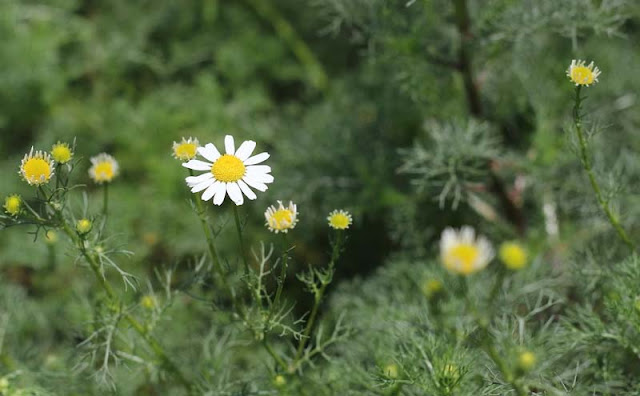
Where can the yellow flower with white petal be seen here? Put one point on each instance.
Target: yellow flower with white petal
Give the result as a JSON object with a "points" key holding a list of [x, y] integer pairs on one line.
{"points": [[339, 219], [37, 167], [186, 149], [103, 168], [12, 204], [462, 253], [513, 255], [61, 153], [281, 218], [582, 74], [232, 174]]}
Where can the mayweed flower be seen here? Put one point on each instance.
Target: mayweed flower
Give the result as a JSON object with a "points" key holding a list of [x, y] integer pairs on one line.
{"points": [[526, 360], [148, 301], [279, 381], [581, 74], [339, 219], [37, 167], [83, 226], [281, 219], [13, 204], [229, 174], [431, 287], [463, 253], [61, 153], [103, 169], [186, 149], [513, 255]]}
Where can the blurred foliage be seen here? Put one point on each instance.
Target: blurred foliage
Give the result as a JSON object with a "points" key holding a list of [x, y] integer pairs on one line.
{"points": [[406, 113]]}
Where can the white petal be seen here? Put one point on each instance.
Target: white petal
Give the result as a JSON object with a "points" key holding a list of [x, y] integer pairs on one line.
{"points": [[220, 193], [193, 180], [245, 149], [209, 151], [228, 144], [197, 165], [253, 169], [255, 184], [246, 190], [202, 185], [260, 177], [256, 159], [234, 193], [210, 191]]}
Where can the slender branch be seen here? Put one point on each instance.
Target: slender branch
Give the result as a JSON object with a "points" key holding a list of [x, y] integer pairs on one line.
{"points": [[588, 167], [236, 217], [105, 201], [283, 270]]}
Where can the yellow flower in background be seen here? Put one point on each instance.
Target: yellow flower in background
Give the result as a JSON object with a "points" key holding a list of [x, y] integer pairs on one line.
{"points": [[431, 287], [61, 153], [526, 360], [462, 253], [186, 149], [103, 168], [229, 174], [391, 371], [582, 74], [37, 167], [279, 381], [148, 302], [13, 204], [339, 219], [281, 218], [50, 237], [513, 255], [83, 226]]}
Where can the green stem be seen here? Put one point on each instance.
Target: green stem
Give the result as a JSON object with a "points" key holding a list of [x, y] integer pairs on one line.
{"points": [[105, 200], [588, 167], [283, 269], [273, 354], [236, 217], [137, 326]]}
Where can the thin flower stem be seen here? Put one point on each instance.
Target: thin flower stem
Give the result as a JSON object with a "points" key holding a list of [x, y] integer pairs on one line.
{"points": [[105, 200], [283, 270], [236, 217], [137, 326], [273, 354], [588, 167]]}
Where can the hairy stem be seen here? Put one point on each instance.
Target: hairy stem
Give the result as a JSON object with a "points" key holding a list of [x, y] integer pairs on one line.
{"points": [[236, 217], [585, 159]]}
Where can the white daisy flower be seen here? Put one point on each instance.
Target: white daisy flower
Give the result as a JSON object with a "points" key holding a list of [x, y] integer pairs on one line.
{"points": [[462, 253], [281, 218], [230, 174]]}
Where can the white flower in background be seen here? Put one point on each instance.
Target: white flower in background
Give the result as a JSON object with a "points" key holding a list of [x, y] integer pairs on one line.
{"points": [[462, 252], [582, 74], [103, 168], [232, 174], [281, 219]]}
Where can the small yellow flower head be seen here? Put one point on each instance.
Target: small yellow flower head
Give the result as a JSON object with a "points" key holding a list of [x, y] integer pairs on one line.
{"points": [[103, 169], [451, 372], [279, 381], [148, 302], [526, 360], [339, 219], [281, 219], [61, 153], [462, 253], [13, 204], [513, 255], [581, 74], [186, 149], [391, 371], [431, 287], [37, 167], [50, 237], [83, 226]]}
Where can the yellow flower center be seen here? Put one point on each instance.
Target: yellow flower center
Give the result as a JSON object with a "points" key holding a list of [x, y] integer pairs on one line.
{"points": [[526, 360], [12, 205], [513, 256], [185, 151], [582, 75], [36, 170], [228, 168], [281, 219], [462, 257], [103, 171], [339, 221], [431, 287], [61, 153], [83, 226], [148, 302]]}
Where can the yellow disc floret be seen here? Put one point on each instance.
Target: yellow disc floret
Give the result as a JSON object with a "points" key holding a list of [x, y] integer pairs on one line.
{"points": [[526, 360], [50, 237], [582, 74], [513, 255], [13, 204], [462, 257], [431, 287], [281, 218], [228, 168], [104, 168], [61, 153], [148, 302], [186, 149], [37, 167], [83, 226], [339, 219], [462, 252]]}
